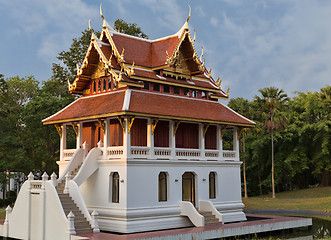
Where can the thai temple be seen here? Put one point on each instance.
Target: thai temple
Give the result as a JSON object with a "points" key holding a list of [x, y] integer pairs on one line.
{"points": [[149, 155]]}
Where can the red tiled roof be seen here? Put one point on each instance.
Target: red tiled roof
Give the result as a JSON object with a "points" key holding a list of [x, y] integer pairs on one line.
{"points": [[144, 52], [150, 104], [94, 105]]}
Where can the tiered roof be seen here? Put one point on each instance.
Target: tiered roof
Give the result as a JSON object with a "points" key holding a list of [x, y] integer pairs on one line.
{"points": [[131, 61]]}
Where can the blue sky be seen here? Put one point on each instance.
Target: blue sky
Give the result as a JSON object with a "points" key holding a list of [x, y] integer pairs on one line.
{"points": [[249, 44]]}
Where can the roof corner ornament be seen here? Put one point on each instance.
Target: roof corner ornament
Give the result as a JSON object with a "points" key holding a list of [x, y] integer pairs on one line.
{"points": [[189, 14], [121, 58], [201, 54], [209, 73], [101, 15], [218, 82], [195, 34], [227, 92], [89, 28], [131, 71]]}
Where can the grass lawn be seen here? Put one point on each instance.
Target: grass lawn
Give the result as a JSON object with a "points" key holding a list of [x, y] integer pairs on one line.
{"points": [[318, 198]]}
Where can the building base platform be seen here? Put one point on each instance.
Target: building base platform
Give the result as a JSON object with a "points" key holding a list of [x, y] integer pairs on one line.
{"points": [[256, 224]]}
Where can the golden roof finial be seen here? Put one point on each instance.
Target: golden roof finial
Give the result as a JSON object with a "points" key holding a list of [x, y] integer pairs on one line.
{"points": [[101, 15], [89, 28], [201, 54], [189, 14], [195, 34], [209, 73], [227, 92]]}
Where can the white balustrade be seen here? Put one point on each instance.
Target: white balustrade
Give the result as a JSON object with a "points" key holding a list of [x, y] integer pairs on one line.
{"points": [[162, 152], [188, 154], [140, 152], [212, 154], [115, 152], [36, 184], [229, 155], [68, 153]]}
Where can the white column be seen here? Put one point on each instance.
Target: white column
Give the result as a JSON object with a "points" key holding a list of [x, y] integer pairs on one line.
{"points": [[79, 137], [219, 143], [63, 141], [106, 138], [201, 142], [150, 138], [126, 139], [172, 139], [236, 143]]}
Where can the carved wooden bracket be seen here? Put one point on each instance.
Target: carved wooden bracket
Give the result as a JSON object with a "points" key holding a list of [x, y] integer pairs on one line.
{"points": [[176, 127], [223, 131], [101, 123], [59, 129], [205, 128], [154, 123], [130, 124], [121, 123], [75, 127]]}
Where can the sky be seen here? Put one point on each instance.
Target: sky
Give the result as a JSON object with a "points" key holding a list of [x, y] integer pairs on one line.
{"points": [[248, 44]]}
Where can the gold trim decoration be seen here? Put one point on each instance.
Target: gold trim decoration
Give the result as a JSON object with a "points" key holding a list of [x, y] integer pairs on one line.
{"points": [[189, 14], [176, 127], [223, 131], [75, 127], [205, 128], [227, 92], [101, 123], [121, 123], [209, 73], [131, 123], [59, 129], [154, 123]]}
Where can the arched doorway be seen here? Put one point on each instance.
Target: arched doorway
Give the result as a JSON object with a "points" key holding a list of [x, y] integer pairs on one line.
{"points": [[188, 187]]}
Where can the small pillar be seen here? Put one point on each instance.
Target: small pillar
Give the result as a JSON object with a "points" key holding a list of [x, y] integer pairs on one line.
{"points": [[30, 176], [85, 147], [6, 223], [201, 142], [66, 187], [172, 139], [54, 179], [63, 141], [44, 178], [150, 138], [79, 137], [71, 225], [236, 142], [100, 144], [126, 139], [95, 224], [106, 138]]}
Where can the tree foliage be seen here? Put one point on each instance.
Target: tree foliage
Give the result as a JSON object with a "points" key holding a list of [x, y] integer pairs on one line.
{"points": [[129, 28]]}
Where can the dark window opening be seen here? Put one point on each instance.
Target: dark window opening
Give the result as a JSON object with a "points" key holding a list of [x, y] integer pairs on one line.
{"points": [[156, 87], [212, 185], [186, 92], [104, 85], [195, 93], [166, 89], [176, 90], [109, 84], [146, 85], [115, 197], [94, 86], [99, 85], [162, 187]]}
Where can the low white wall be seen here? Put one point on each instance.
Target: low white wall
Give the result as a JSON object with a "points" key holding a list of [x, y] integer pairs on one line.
{"points": [[38, 214], [207, 206], [187, 209], [89, 166], [75, 161]]}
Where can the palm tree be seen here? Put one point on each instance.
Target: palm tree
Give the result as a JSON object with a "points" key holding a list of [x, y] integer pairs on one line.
{"points": [[271, 103], [243, 107]]}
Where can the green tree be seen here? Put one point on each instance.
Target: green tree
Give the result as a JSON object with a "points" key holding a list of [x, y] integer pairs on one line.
{"points": [[129, 28], [243, 107], [271, 105]]}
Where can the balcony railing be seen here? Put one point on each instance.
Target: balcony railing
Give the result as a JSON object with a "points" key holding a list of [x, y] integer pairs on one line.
{"points": [[166, 153], [68, 153]]}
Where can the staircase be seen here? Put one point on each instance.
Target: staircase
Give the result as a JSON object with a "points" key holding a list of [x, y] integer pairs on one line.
{"points": [[80, 222], [210, 219]]}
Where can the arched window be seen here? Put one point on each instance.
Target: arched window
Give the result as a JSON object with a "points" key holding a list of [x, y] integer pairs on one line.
{"points": [[115, 190], [162, 186], [212, 185]]}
